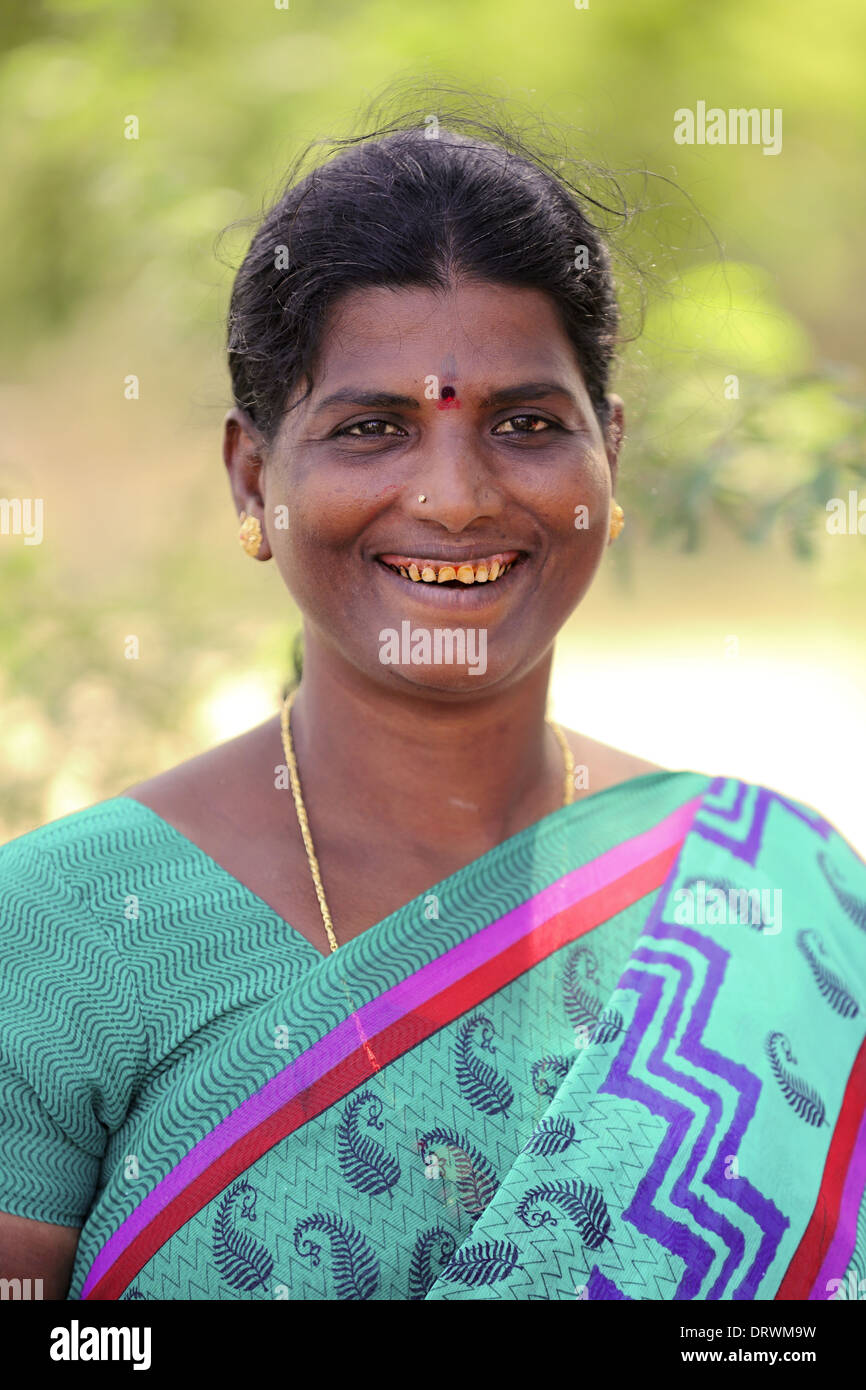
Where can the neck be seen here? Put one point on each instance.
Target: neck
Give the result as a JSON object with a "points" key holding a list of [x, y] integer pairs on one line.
{"points": [[440, 778]]}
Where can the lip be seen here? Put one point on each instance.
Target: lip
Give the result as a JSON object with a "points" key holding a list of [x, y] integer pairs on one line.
{"points": [[463, 599], [503, 556], [449, 557]]}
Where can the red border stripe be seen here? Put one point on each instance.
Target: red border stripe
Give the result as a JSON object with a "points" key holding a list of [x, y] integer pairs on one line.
{"points": [[817, 1238], [398, 1038]]}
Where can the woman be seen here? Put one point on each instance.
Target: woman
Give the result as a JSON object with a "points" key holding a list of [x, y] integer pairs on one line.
{"points": [[408, 993]]}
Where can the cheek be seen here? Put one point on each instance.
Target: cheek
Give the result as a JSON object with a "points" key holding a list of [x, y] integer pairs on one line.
{"points": [[575, 510], [324, 519], [317, 549]]}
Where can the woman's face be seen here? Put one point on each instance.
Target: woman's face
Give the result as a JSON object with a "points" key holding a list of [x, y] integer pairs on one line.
{"points": [[511, 461]]}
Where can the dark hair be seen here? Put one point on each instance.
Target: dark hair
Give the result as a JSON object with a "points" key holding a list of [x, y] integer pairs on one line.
{"points": [[395, 207]]}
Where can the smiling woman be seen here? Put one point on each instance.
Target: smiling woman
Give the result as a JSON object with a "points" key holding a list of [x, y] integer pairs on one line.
{"points": [[388, 997]]}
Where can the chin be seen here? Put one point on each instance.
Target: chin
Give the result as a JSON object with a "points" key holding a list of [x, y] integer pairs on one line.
{"points": [[457, 682]]}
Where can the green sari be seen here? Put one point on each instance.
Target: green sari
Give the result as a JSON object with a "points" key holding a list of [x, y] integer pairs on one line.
{"points": [[620, 1056]]}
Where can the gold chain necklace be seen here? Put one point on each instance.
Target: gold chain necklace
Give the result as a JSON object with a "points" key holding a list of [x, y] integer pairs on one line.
{"points": [[285, 721]]}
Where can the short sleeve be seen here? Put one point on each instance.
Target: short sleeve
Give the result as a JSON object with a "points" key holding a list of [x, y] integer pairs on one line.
{"points": [[71, 1042]]}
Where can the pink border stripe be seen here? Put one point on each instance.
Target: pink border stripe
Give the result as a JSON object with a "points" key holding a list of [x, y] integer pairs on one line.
{"points": [[838, 1256], [409, 994], [462, 959]]}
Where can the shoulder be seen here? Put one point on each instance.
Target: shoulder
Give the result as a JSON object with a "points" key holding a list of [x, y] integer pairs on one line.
{"points": [[606, 766], [212, 785], [65, 976], [66, 920], [57, 884], [750, 832], [44, 860], [756, 808], [72, 1039]]}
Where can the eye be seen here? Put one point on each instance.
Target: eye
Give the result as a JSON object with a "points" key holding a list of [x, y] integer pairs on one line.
{"points": [[525, 424], [367, 429]]}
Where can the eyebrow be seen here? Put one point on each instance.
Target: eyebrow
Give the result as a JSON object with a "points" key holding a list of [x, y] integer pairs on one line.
{"points": [[375, 400], [384, 400], [528, 391]]}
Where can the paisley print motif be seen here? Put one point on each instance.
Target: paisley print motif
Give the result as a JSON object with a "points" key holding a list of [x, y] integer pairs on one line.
{"points": [[803, 1099], [243, 1261], [480, 1083], [365, 1163], [582, 1203], [354, 1267]]}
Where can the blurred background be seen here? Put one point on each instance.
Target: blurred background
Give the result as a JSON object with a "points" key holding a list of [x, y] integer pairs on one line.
{"points": [[726, 630]]}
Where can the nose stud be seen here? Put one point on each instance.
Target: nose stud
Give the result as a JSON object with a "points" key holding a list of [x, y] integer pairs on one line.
{"points": [[422, 497]]}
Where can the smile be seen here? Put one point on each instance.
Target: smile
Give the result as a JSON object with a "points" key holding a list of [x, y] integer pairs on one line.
{"points": [[485, 569]]}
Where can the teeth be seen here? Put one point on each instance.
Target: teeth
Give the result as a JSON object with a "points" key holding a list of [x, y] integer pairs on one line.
{"points": [[466, 573]]}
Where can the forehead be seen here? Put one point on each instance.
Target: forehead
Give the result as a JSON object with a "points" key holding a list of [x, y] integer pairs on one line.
{"points": [[474, 329]]}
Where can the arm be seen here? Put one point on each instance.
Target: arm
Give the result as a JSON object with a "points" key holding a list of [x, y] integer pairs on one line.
{"points": [[70, 1050], [38, 1250]]}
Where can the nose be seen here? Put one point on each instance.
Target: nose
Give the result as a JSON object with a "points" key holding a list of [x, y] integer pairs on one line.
{"points": [[457, 485]]}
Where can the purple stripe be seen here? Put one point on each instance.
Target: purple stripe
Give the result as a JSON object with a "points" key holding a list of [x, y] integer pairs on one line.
{"points": [[599, 1287], [747, 848], [643, 1212], [838, 1256], [395, 1003], [719, 786]]}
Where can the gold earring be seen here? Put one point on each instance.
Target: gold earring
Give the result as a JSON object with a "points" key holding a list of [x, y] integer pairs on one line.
{"points": [[422, 497], [250, 534], [617, 520]]}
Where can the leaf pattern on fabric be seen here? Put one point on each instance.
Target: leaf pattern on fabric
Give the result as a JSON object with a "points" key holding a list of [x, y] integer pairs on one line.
{"points": [[549, 1071], [365, 1164], [354, 1267], [746, 905], [462, 1164], [488, 1262], [718, 881], [243, 1262], [422, 1275], [848, 901], [831, 985], [550, 1136], [480, 1083], [582, 1004], [582, 1203], [609, 1026], [803, 1099]]}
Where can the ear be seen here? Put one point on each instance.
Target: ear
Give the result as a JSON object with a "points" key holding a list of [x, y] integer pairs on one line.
{"points": [[613, 436], [244, 452]]}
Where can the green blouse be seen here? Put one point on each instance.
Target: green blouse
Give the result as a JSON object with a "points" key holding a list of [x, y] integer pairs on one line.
{"points": [[126, 951]]}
